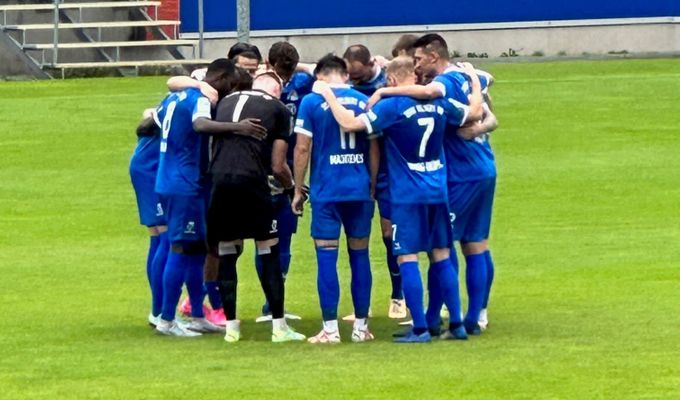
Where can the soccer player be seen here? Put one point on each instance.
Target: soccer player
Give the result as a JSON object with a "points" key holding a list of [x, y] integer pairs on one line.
{"points": [[364, 73], [471, 170], [143, 168], [404, 46], [241, 206], [183, 158], [283, 57], [414, 132], [340, 184], [367, 77]]}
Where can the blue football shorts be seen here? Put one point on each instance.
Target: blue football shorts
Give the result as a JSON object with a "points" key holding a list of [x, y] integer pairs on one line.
{"points": [[420, 228], [354, 216], [471, 204], [149, 203]]}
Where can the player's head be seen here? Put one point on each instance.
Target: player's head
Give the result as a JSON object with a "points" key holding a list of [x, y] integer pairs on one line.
{"points": [[331, 68], [242, 47], [401, 72], [222, 76], [248, 61], [360, 64], [244, 80], [431, 54], [269, 82], [283, 58], [404, 46]]}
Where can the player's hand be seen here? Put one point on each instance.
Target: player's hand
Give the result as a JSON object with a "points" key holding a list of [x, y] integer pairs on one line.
{"points": [[374, 98], [470, 130], [467, 68], [297, 205], [322, 88], [209, 92], [251, 127], [148, 113]]}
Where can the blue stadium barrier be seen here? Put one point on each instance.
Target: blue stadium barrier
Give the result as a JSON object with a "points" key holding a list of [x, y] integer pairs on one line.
{"points": [[220, 15]]}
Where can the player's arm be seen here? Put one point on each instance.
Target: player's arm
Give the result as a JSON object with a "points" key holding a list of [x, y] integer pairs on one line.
{"points": [[303, 148], [177, 83], [148, 125], [374, 154], [473, 130], [248, 127], [345, 118], [280, 168], [475, 99], [430, 91]]}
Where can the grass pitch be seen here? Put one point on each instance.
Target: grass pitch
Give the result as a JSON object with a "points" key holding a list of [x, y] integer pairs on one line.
{"points": [[585, 240]]}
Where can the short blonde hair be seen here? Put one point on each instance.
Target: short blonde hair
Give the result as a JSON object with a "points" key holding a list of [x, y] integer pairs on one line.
{"points": [[401, 67]]}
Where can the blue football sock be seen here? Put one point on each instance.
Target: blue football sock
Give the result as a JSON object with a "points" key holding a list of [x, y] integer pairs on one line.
{"points": [[489, 277], [213, 291], [173, 278], [435, 299], [327, 282], [157, 268], [412, 285], [362, 281], [448, 285], [395, 273], [154, 242], [194, 280], [475, 280]]}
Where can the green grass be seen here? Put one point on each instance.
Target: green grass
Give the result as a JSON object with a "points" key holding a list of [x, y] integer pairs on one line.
{"points": [[585, 239]]}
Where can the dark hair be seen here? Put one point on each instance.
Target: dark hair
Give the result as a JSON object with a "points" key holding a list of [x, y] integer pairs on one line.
{"points": [[248, 54], [404, 43], [330, 63], [243, 80], [358, 52], [241, 47], [433, 43], [220, 68], [284, 57]]}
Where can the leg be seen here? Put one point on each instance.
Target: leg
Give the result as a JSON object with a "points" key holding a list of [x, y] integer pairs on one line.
{"points": [[157, 269], [476, 282], [227, 278]]}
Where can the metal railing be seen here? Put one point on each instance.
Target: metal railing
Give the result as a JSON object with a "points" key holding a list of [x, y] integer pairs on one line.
{"points": [[55, 35]]}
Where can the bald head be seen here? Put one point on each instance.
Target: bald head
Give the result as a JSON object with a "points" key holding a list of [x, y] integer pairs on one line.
{"points": [[401, 71]]}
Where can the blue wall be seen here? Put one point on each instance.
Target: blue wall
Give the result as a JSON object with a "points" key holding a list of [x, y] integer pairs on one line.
{"points": [[220, 15]]}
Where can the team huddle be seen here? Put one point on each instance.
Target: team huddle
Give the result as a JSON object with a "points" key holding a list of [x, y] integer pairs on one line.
{"points": [[225, 157]]}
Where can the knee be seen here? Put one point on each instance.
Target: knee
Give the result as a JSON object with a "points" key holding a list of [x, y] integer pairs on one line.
{"points": [[357, 243], [190, 248], [326, 244], [472, 248], [230, 248]]}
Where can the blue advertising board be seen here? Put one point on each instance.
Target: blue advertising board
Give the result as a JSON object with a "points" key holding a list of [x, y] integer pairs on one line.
{"points": [[220, 15]]}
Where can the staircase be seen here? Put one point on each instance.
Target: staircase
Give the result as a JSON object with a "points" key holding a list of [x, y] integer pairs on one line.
{"points": [[77, 37]]}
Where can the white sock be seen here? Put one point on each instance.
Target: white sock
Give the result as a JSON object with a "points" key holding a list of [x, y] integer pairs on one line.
{"points": [[330, 326], [360, 324], [279, 324], [234, 325]]}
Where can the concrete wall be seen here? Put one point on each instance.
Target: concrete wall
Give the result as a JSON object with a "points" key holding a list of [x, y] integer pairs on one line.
{"points": [[663, 38]]}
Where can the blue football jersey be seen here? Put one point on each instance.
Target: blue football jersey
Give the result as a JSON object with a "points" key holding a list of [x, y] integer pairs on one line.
{"points": [[377, 82], [467, 160], [414, 132], [183, 152], [144, 161], [339, 168], [299, 86]]}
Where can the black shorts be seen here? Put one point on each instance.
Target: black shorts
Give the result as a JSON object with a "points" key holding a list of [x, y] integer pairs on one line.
{"points": [[241, 210]]}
